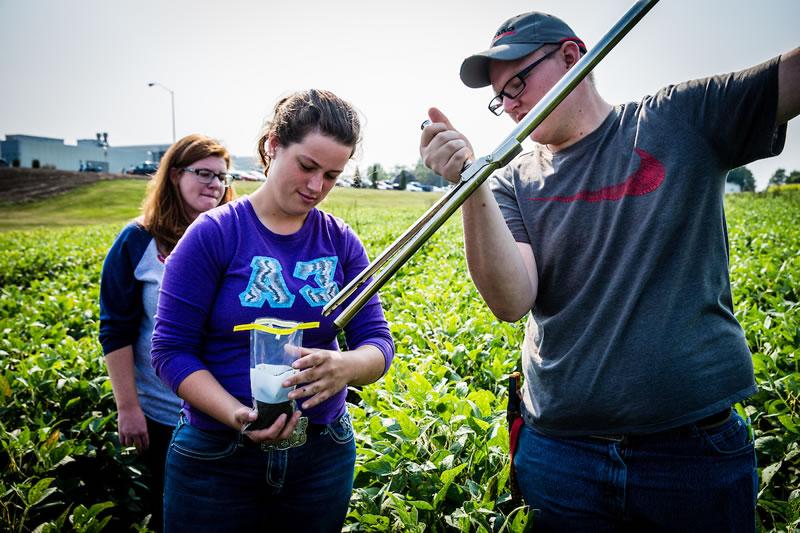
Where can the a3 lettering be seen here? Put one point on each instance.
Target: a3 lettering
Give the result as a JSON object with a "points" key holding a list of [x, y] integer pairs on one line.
{"points": [[267, 284]]}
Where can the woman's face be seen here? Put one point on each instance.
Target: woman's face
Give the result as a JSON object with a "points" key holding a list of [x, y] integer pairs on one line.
{"points": [[300, 175], [200, 197]]}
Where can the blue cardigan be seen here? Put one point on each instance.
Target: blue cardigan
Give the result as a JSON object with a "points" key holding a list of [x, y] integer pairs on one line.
{"points": [[129, 287]]}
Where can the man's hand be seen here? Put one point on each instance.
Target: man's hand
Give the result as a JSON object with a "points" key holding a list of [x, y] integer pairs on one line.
{"points": [[443, 149]]}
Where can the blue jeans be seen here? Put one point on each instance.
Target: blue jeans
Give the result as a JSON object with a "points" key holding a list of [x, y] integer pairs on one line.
{"points": [[220, 481], [694, 479]]}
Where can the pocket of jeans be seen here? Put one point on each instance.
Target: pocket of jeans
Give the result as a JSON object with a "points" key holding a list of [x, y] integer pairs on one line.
{"points": [[196, 443], [731, 438], [341, 429]]}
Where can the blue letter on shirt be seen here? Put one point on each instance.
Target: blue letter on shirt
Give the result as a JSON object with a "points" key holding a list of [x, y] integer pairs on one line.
{"points": [[266, 284], [323, 269]]}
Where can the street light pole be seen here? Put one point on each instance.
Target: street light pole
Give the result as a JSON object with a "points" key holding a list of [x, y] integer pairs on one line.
{"points": [[172, 100]]}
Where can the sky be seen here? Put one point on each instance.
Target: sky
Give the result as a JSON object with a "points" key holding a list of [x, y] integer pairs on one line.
{"points": [[70, 69]]}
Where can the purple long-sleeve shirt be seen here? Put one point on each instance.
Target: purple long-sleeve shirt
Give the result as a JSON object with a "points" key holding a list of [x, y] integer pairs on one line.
{"points": [[229, 269]]}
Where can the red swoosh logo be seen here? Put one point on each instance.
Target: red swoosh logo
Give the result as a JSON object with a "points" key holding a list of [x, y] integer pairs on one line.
{"points": [[647, 178]]}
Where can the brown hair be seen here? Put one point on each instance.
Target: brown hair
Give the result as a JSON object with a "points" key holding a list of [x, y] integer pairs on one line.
{"points": [[164, 214], [302, 112]]}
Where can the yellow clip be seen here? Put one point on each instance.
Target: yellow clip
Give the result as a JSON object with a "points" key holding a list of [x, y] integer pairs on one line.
{"points": [[286, 328]]}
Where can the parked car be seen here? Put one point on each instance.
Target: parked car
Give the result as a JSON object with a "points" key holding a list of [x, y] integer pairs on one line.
{"points": [[414, 186], [3, 162], [247, 175], [94, 166], [257, 175], [143, 168]]}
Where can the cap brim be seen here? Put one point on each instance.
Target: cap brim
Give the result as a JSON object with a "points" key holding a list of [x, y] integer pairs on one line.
{"points": [[475, 68]]}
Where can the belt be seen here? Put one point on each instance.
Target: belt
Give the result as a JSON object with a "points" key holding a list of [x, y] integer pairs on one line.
{"points": [[709, 422], [301, 432]]}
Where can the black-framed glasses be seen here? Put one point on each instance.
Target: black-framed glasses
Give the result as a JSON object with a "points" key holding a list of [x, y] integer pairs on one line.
{"points": [[206, 176], [515, 85]]}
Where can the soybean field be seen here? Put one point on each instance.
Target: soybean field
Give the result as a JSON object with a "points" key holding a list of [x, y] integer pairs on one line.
{"points": [[431, 435]]}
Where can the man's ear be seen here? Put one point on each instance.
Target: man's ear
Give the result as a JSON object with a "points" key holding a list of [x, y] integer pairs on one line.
{"points": [[571, 53]]}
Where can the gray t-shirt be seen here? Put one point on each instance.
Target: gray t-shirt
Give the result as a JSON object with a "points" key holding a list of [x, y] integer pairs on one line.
{"points": [[157, 400], [633, 328]]}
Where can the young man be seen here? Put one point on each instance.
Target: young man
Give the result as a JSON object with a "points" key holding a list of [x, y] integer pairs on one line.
{"points": [[611, 236]]}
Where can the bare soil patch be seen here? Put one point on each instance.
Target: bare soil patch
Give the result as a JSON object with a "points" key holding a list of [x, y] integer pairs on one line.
{"points": [[21, 185]]}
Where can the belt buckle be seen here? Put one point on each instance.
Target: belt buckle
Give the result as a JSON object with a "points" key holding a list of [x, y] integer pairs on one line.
{"points": [[297, 438]]}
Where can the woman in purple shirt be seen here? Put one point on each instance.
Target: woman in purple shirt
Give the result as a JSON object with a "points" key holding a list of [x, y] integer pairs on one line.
{"points": [[271, 254]]}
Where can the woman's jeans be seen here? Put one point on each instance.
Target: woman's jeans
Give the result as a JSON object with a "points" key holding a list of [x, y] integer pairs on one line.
{"points": [[221, 481], [692, 479]]}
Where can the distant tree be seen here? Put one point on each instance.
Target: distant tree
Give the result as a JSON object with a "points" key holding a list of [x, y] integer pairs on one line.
{"points": [[779, 178], [401, 175], [380, 173], [357, 183], [743, 177], [397, 169], [794, 177], [404, 178], [426, 175], [373, 176]]}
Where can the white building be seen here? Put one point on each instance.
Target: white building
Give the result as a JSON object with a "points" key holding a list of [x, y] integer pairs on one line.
{"points": [[30, 151]]}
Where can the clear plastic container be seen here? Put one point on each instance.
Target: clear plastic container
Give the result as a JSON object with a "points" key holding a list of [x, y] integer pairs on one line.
{"points": [[274, 345]]}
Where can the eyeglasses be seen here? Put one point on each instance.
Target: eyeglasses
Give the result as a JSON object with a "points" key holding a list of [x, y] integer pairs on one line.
{"points": [[515, 85], [206, 176]]}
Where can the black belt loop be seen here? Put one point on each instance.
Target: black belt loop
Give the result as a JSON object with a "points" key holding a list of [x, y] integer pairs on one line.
{"points": [[715, 420]]}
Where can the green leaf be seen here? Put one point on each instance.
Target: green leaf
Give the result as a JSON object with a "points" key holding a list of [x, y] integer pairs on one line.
{"points": [[419, 504], [407, 426], [39, 491], [5, 388], [768, 471]]}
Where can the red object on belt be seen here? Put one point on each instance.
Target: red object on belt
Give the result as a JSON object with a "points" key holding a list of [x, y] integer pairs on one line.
{"points": [[515, 422]]}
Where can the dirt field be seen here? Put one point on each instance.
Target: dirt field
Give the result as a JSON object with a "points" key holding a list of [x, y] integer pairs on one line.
{"points": [[20, 185]]}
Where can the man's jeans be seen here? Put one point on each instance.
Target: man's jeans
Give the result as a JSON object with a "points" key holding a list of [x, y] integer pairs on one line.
{"points": [[696, 479], [218, 481]]}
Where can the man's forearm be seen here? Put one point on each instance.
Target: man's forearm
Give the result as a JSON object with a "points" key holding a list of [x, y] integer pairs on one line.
{"points": [[495, 263]]}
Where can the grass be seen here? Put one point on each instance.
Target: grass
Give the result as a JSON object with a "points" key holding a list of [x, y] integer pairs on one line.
{"points": [[115, 202], [101, 202]]}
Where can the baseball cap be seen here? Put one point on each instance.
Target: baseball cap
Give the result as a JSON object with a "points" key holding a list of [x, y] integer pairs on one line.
{"points": [[517, 37]]}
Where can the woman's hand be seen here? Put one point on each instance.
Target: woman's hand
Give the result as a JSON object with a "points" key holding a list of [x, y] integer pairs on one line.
{"points": [[322, 373], [132, 428], [281, 429]]}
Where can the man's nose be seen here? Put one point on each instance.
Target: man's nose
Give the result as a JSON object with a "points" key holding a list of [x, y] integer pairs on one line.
{"points": [[509, 103]]}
